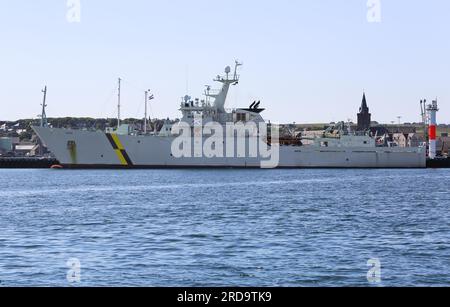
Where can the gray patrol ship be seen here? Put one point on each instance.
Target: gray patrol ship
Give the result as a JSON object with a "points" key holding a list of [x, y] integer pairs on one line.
{"points": [[338, 147]]}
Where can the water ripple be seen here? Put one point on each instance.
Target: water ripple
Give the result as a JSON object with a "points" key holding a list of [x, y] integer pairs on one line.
{"points": [[224, 227]]}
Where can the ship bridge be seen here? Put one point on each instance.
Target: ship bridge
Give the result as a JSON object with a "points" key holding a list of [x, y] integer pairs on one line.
{"points": [[212, 108]]}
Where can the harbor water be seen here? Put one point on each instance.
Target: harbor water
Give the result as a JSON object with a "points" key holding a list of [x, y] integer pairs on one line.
{"points": [[224, 227]]}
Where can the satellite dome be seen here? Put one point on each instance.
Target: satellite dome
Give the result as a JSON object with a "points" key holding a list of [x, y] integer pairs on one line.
{"points": [[227, 69]]}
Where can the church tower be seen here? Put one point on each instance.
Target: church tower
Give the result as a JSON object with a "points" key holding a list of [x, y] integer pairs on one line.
{"points": [[364, 116]]}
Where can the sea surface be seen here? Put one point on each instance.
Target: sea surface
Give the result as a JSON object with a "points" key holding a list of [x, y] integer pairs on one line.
{"points": [[224, 228]]}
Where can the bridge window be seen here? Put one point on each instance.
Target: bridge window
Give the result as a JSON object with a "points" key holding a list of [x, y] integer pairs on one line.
{"points": [[241, 117]]}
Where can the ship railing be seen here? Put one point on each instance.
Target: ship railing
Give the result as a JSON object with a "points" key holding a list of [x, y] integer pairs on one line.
{"points": [[214, 92], [230, 77]]}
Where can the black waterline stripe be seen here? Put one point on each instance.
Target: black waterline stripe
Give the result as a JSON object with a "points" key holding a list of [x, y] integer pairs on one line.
{"points": [[111, 140], [127, 158]]}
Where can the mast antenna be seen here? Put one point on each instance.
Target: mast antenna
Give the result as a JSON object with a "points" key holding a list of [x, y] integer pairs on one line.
{"points": [[237, 64], [44, 105], [118, 104], [147, 99], [207, 93], [187, 79]]}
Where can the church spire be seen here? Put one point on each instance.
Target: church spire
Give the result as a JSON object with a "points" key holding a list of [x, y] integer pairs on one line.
{"points": [[364, 116], [364, 107]]}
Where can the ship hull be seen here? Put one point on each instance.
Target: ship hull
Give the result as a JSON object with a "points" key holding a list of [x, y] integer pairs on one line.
{"points": [[99, 150]]}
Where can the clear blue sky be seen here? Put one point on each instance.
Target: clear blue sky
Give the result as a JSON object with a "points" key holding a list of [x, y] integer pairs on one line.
{"points": [[307, 61]]}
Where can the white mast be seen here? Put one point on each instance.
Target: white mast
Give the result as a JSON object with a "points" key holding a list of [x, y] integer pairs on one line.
{"points": [[44, 105], [147, 99], [236, 68], [145, 119], [220, 98], [118, 105]]}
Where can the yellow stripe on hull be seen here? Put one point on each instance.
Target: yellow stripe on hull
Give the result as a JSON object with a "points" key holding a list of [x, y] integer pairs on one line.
{"points": [[117, 141], [119, 149], [121, 157]]}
